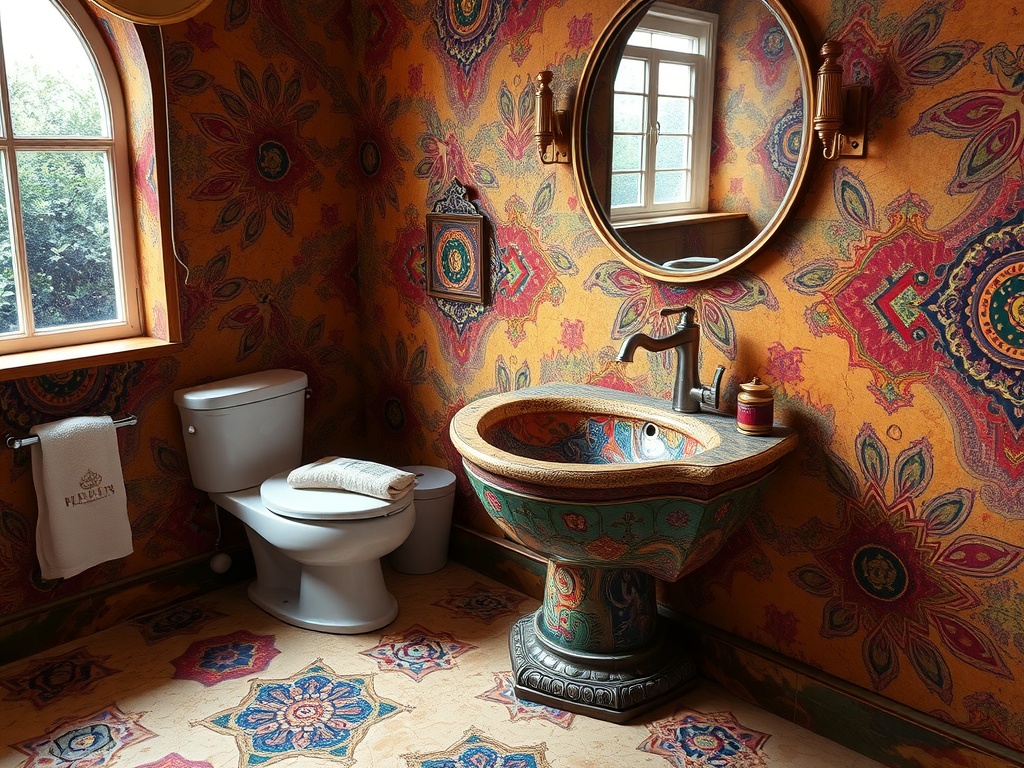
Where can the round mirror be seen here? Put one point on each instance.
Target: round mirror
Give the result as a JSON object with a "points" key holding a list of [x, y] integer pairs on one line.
{"points": [[692, 132]]}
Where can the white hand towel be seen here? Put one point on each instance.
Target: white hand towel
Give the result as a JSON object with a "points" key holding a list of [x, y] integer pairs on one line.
{"points": [[365, 477], [83, 512]]}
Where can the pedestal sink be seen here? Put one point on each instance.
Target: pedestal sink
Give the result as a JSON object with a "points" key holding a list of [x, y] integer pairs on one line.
{"points": [[616, 490]]}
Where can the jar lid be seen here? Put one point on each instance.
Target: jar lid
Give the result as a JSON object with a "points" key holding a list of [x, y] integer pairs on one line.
{"points": [[756, 387]]}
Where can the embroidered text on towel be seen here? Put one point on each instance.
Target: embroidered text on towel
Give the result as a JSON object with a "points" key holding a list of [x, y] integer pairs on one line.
{"points": [[92, 490]]}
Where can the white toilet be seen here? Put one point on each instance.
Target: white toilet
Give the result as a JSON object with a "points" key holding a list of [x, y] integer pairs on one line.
{"points": [[317, 552]]}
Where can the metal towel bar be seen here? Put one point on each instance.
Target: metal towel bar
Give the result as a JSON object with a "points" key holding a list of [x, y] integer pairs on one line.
{"points": [[21, 442]]}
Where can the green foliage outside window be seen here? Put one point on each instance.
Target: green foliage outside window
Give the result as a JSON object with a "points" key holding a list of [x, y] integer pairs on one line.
{"points": [[64, 205]]}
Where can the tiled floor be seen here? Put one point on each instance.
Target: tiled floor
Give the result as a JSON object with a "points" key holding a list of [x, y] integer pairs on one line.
{"points": [[216, 682]]}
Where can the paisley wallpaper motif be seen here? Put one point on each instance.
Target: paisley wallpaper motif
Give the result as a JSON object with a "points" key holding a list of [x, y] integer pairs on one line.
{"points": [[309, 138]]}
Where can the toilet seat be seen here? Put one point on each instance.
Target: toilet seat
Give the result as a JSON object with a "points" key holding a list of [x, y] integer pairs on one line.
{"points": [[328, 504]]}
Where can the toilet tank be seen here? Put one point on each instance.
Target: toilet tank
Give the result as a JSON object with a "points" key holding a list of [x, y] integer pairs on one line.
{"points": [[240, 431]]}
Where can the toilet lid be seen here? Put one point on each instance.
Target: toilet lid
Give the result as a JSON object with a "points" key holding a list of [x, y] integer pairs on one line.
{"points": [[317, 504]]}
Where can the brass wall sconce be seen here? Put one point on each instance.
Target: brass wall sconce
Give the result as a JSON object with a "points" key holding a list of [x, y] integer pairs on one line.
{"points": [[840, 113], [551, 126]]}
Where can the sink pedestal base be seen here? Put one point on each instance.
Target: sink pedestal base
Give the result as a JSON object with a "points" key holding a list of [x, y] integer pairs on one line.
{"points": [[597, 646]]}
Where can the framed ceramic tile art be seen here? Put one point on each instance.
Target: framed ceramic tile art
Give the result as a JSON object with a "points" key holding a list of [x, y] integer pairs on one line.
{"points": [[457, 267]]}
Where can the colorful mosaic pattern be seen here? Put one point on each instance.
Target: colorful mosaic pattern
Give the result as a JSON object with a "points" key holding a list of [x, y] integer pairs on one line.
{"points": [[475, 748], [589, 439], [483, 603], [225, 657], [46, 681], [417, 652], [176, 620], [665, 536], [598, 610], [84, 742], [692, 739], [316, 713], [519, 709]]}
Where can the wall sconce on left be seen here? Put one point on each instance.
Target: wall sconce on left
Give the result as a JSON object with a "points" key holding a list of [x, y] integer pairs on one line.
{"points": [[154, 12], [551, 125]]}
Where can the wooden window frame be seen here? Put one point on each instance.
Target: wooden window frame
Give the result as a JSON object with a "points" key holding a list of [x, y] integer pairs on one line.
{"points": [[664, 17], [144, 107]]}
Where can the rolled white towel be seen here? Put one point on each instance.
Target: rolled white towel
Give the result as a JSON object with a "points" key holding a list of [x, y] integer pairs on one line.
{"points": [[366, 477]]}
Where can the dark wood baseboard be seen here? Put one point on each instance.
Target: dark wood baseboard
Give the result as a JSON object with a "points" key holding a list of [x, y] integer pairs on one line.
{"points": [[45, 626]]}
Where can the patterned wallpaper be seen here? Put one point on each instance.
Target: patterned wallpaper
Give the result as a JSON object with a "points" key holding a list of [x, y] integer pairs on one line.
{"points": [[311, 137]]}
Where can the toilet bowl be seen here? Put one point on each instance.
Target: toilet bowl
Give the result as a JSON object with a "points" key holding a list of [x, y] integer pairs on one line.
{"points": [[317, 552]]}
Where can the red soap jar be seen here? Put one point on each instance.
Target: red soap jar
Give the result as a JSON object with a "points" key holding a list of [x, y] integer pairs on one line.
{"points": [[755, 408]]}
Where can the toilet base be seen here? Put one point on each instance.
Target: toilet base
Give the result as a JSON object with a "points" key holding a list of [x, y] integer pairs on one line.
{"points": [[284, 604]]}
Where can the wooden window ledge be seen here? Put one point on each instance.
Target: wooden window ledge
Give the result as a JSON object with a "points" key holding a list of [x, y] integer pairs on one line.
{"points": [[675, 220], [20, 365]]}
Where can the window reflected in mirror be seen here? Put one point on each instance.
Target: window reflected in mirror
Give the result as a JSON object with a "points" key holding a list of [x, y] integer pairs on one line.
{"points": [[661, 123]]}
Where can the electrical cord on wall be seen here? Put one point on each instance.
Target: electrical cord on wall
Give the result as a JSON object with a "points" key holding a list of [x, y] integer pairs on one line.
{"points": [[170, 174]]}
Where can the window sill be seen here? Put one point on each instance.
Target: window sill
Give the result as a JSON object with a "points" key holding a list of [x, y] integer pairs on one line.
{"points": [[20, 365], [675, 220]]}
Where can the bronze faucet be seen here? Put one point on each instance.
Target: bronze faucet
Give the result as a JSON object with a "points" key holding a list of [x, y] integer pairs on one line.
{"points": [[688, 394]]}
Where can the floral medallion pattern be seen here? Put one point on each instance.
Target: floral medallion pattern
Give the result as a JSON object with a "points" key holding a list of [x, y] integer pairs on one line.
{"points": [[176, 620], [391, 404], [262, 157], [84, 742], [174, 760], [29, 401], [979, 308], [911, 317], [467, 36], [476, 748], [481, 602], [316, 713], [889, 573], [875, 304], [520, 709], [417, 652], [692, 739], [48, 680], [374, 148], [226, 657]]}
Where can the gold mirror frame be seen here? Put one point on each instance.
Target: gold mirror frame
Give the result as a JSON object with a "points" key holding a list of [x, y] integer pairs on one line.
{"points": [[154, 12], [630, 13]]}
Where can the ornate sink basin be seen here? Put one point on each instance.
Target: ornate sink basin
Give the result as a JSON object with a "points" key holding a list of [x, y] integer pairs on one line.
{"points": [[565, 436], [615, 490], [595, 476]]}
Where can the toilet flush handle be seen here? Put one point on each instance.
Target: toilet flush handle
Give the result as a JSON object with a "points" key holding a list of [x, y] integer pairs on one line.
{"points": [[191, 429]]}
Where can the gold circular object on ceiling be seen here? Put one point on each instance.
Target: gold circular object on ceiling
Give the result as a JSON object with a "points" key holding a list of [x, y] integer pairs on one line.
{"points": [[154, 11]]}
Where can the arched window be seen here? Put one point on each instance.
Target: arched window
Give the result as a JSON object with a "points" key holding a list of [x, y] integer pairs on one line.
{"points": [[68, 263]]}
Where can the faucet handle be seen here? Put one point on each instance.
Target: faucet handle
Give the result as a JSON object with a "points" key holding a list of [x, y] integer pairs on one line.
{"points": [[688, 314], [709, 396]]}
